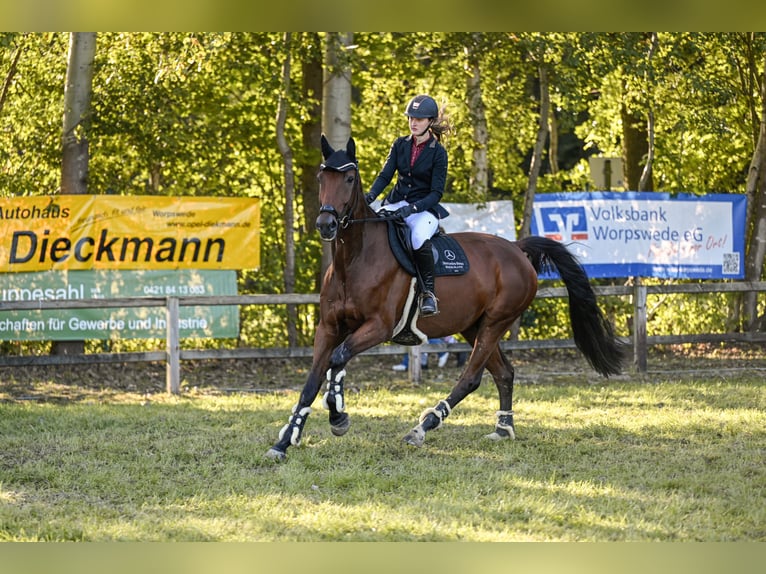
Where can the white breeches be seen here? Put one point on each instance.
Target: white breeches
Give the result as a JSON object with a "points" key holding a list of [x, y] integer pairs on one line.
{"points": [[422, 225]]}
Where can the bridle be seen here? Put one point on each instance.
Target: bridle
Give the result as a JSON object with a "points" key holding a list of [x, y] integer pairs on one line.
{"points": [[345, 220]]}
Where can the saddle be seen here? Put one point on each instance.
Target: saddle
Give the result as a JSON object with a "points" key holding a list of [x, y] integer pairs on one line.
{"points": [[449, 259]]}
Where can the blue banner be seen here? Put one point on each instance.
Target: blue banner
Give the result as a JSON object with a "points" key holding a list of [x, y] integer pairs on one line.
{"points": [[648, 234]]}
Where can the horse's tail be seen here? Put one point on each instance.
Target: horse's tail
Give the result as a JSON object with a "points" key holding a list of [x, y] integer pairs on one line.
{"points": [[593, 334]]}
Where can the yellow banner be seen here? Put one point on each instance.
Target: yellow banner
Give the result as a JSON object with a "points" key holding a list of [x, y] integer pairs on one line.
{"points": [[128, 232]]}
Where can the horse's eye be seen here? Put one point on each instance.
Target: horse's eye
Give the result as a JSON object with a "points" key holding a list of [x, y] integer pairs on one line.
{"points": [[349, 179]]}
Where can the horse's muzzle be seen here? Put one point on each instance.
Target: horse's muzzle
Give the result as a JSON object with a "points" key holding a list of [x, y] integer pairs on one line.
{"points": [[327, 225]]}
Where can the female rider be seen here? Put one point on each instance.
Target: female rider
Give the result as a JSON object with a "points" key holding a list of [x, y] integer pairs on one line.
{"points": [[420, 162]]}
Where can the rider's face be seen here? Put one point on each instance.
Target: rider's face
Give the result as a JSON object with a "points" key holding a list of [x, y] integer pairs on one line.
{"points": [[418, 126]]}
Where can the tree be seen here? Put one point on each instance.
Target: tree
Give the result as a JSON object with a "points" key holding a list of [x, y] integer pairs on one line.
{"points": [[311, 130], [75, 130], [756, 192], [77, 113], [287, 157], [479, 182], [336, 99]]}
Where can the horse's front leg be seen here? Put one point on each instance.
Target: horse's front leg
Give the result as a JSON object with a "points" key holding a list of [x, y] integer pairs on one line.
{"points": [[369, 334], [334, 400], [291, 433], [334, 371]]}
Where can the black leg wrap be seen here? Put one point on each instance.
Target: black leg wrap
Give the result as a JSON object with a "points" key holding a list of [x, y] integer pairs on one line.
{"points": [[292, 431], [504, 428], [432, 418], [430, 422]]}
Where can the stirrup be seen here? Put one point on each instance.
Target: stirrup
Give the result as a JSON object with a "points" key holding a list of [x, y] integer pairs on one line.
{"points": [[428, 305]]}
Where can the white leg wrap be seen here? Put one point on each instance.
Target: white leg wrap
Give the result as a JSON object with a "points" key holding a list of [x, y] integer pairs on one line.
{"points": [[296, 420], [502, 426], [339, 406], [440, 414], [338, 378]]}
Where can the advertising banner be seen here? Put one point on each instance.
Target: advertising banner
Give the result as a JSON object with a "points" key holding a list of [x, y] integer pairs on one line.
{"points": [[649, 234], [217, 321], [493, 217], [128, 232]]}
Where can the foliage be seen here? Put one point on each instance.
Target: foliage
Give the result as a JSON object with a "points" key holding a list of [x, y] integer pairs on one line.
{"points": [[194, 114]]}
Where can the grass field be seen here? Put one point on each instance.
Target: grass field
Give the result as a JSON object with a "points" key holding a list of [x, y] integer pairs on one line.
{"points": [[674, 459]]}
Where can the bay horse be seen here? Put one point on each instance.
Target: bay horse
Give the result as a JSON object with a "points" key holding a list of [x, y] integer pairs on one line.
{"points": [[365, 291]]}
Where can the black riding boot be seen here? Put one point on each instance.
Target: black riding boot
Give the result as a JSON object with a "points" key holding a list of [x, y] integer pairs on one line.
{"points": [[424, 260]]}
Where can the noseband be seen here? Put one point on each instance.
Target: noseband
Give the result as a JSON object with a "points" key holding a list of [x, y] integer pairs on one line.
{"points": [[343, 222]]}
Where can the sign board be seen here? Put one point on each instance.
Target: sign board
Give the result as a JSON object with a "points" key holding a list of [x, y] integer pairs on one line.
{"points": [[606, 173], [78, 232], [219, 321], [493, 217], [650, 234]]}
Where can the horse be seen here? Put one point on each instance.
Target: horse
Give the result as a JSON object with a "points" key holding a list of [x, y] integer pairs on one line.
{"points": [[365, 292]]}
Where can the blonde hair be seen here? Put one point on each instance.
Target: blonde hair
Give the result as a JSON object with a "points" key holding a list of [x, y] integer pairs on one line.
{"points": [[441, 125]]}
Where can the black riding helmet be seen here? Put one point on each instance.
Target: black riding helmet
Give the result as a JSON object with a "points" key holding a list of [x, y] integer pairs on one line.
{"points": [[422, 106]]}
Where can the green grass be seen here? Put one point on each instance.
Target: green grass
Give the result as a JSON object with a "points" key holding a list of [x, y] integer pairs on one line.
{"points": [[618, 461]]}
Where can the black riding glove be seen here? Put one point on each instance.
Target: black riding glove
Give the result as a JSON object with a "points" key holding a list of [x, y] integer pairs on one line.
{"points": [[405, 211], [369, 197]]}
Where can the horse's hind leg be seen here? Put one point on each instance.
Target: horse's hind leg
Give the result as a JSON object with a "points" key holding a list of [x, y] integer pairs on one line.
{"points": [[503, 373], [469, 381]]}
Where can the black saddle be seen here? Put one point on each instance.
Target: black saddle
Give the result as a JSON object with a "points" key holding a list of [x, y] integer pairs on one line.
{"points": [[449, 257]]}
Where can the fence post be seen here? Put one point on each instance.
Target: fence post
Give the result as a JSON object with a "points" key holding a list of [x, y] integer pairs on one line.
{"points": [[173, 351], [639, 325], [415, 368]]}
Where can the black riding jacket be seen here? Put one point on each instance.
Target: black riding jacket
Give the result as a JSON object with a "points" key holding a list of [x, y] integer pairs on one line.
{"points": [[423, 183]]}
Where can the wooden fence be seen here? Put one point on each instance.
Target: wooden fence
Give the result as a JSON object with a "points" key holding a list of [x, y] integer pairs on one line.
{"points": [[173, 354]]}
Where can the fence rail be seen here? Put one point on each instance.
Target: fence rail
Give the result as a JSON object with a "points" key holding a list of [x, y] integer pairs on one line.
{"points": [[173, 354]]}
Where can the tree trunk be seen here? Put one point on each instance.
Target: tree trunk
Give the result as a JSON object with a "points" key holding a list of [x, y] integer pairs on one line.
{"points": [[534, 170], [336, 100], [480, 164], [312, 132], [287, 157], [76, 124], [756, 196], [553, 143], [634, 148], [537, 154], [77, 95], [645, 181], [12, 69]]}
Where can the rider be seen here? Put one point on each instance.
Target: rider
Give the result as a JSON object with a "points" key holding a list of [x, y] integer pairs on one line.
{"points": [[420, 162]]}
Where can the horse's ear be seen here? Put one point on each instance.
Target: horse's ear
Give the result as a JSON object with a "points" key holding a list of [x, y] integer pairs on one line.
{"points": [[351, 149], [327, 150]]}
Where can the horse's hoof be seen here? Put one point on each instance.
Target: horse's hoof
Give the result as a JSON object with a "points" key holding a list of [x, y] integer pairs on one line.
{"points": [[341, 428], [276, 455], [416, 437], [501, 434]]}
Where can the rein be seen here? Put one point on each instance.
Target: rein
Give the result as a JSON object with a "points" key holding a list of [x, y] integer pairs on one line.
{"points": [[378, 218]]}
